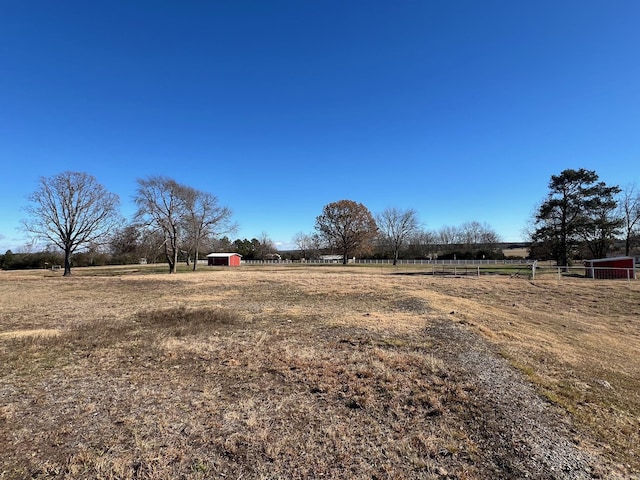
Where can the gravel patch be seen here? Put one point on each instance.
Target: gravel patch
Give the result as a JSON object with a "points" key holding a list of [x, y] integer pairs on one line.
{"points": [[520, 434]]}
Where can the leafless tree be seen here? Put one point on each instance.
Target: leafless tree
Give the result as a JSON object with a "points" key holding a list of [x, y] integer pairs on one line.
{"points": [[471, 233], [151, 245], [264, 246], [304, 242], [161, 205], [203, 218], [309, 244], [489, 237], [71, 210], [423, 244], [396, 226], [478, 236], [629, 212], [347, 226], [448, 237]]}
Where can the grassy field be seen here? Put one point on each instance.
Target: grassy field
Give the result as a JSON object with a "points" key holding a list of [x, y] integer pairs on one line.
{"points": [[317, 372]]}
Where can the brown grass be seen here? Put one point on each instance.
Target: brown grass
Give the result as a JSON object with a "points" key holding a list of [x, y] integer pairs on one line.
{"points": [[304, 373]]}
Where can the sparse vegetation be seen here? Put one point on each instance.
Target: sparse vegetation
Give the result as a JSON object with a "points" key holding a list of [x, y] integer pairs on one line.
{"points": [[310, 372]]}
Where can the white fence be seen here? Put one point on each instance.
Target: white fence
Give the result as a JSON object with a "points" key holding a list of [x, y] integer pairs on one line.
{"points": [[445, 262], [530, 269], [591, 273], [374, 261]]}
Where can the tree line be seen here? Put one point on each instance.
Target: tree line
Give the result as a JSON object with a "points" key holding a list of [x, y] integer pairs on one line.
{"points": [[78, 218], [581, 217], [398, 234]]}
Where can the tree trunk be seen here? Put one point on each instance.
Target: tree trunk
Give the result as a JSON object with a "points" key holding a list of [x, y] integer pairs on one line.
{"points": [[171, 257], [175, 261], [67, 262], [172, 265], [175, 254], [564, 254], [627, 245]]}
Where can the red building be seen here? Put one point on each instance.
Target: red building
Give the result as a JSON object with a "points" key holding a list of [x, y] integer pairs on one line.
{"points": [[615, 267], [225, 259]]}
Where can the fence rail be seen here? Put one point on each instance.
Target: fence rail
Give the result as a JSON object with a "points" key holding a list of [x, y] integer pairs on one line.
{"points": [[593, 273], [515, 268], [374, 261]]}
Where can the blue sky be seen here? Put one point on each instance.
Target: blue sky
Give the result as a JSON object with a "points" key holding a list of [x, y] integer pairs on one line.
{"points": [[461, 110]]}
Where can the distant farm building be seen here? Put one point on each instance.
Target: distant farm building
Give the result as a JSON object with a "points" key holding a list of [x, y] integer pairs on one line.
{"points": [[335, 259], [273, 257], [224, 259], [615, 267], [331, 258]]}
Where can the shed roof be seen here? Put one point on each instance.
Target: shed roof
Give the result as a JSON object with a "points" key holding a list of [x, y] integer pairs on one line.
{"points": [[609, 259], [223, 255]]}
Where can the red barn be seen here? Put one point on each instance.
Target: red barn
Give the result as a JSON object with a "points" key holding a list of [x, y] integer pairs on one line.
{"points": [[615, 267], [226, 259]]}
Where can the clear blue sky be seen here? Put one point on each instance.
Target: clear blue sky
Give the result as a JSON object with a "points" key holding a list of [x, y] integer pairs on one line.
{"points": [[459, 109]]}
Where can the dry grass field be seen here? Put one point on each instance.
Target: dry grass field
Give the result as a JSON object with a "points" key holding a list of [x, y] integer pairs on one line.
{"points": [[317, 372]]}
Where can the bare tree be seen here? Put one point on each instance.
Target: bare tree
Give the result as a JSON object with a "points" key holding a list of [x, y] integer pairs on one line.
{"points": [[448, 237], [203, 218], [478, 237], [471, 233], [489, 237], [151, 244], [304, 242], [396, 226], [309, 244], [72, 210], [161, 205], [263, 247], [423, 244], [629, 212], [347, 226], [125, 243]]}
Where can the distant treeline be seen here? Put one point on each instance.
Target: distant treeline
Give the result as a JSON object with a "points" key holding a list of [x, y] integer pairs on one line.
{"points": [[255, 250], [249, 249], [22, 261]]}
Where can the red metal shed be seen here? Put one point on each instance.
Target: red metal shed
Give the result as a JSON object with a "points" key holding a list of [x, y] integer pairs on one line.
{"points": [[614, 267], [226, 259]]}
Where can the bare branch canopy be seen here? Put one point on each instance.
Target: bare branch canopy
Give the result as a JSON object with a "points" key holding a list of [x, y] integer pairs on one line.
{"points": [[71, 210]]}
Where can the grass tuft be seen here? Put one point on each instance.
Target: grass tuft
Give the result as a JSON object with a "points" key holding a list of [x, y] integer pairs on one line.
{"points": [[182, 321]]}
